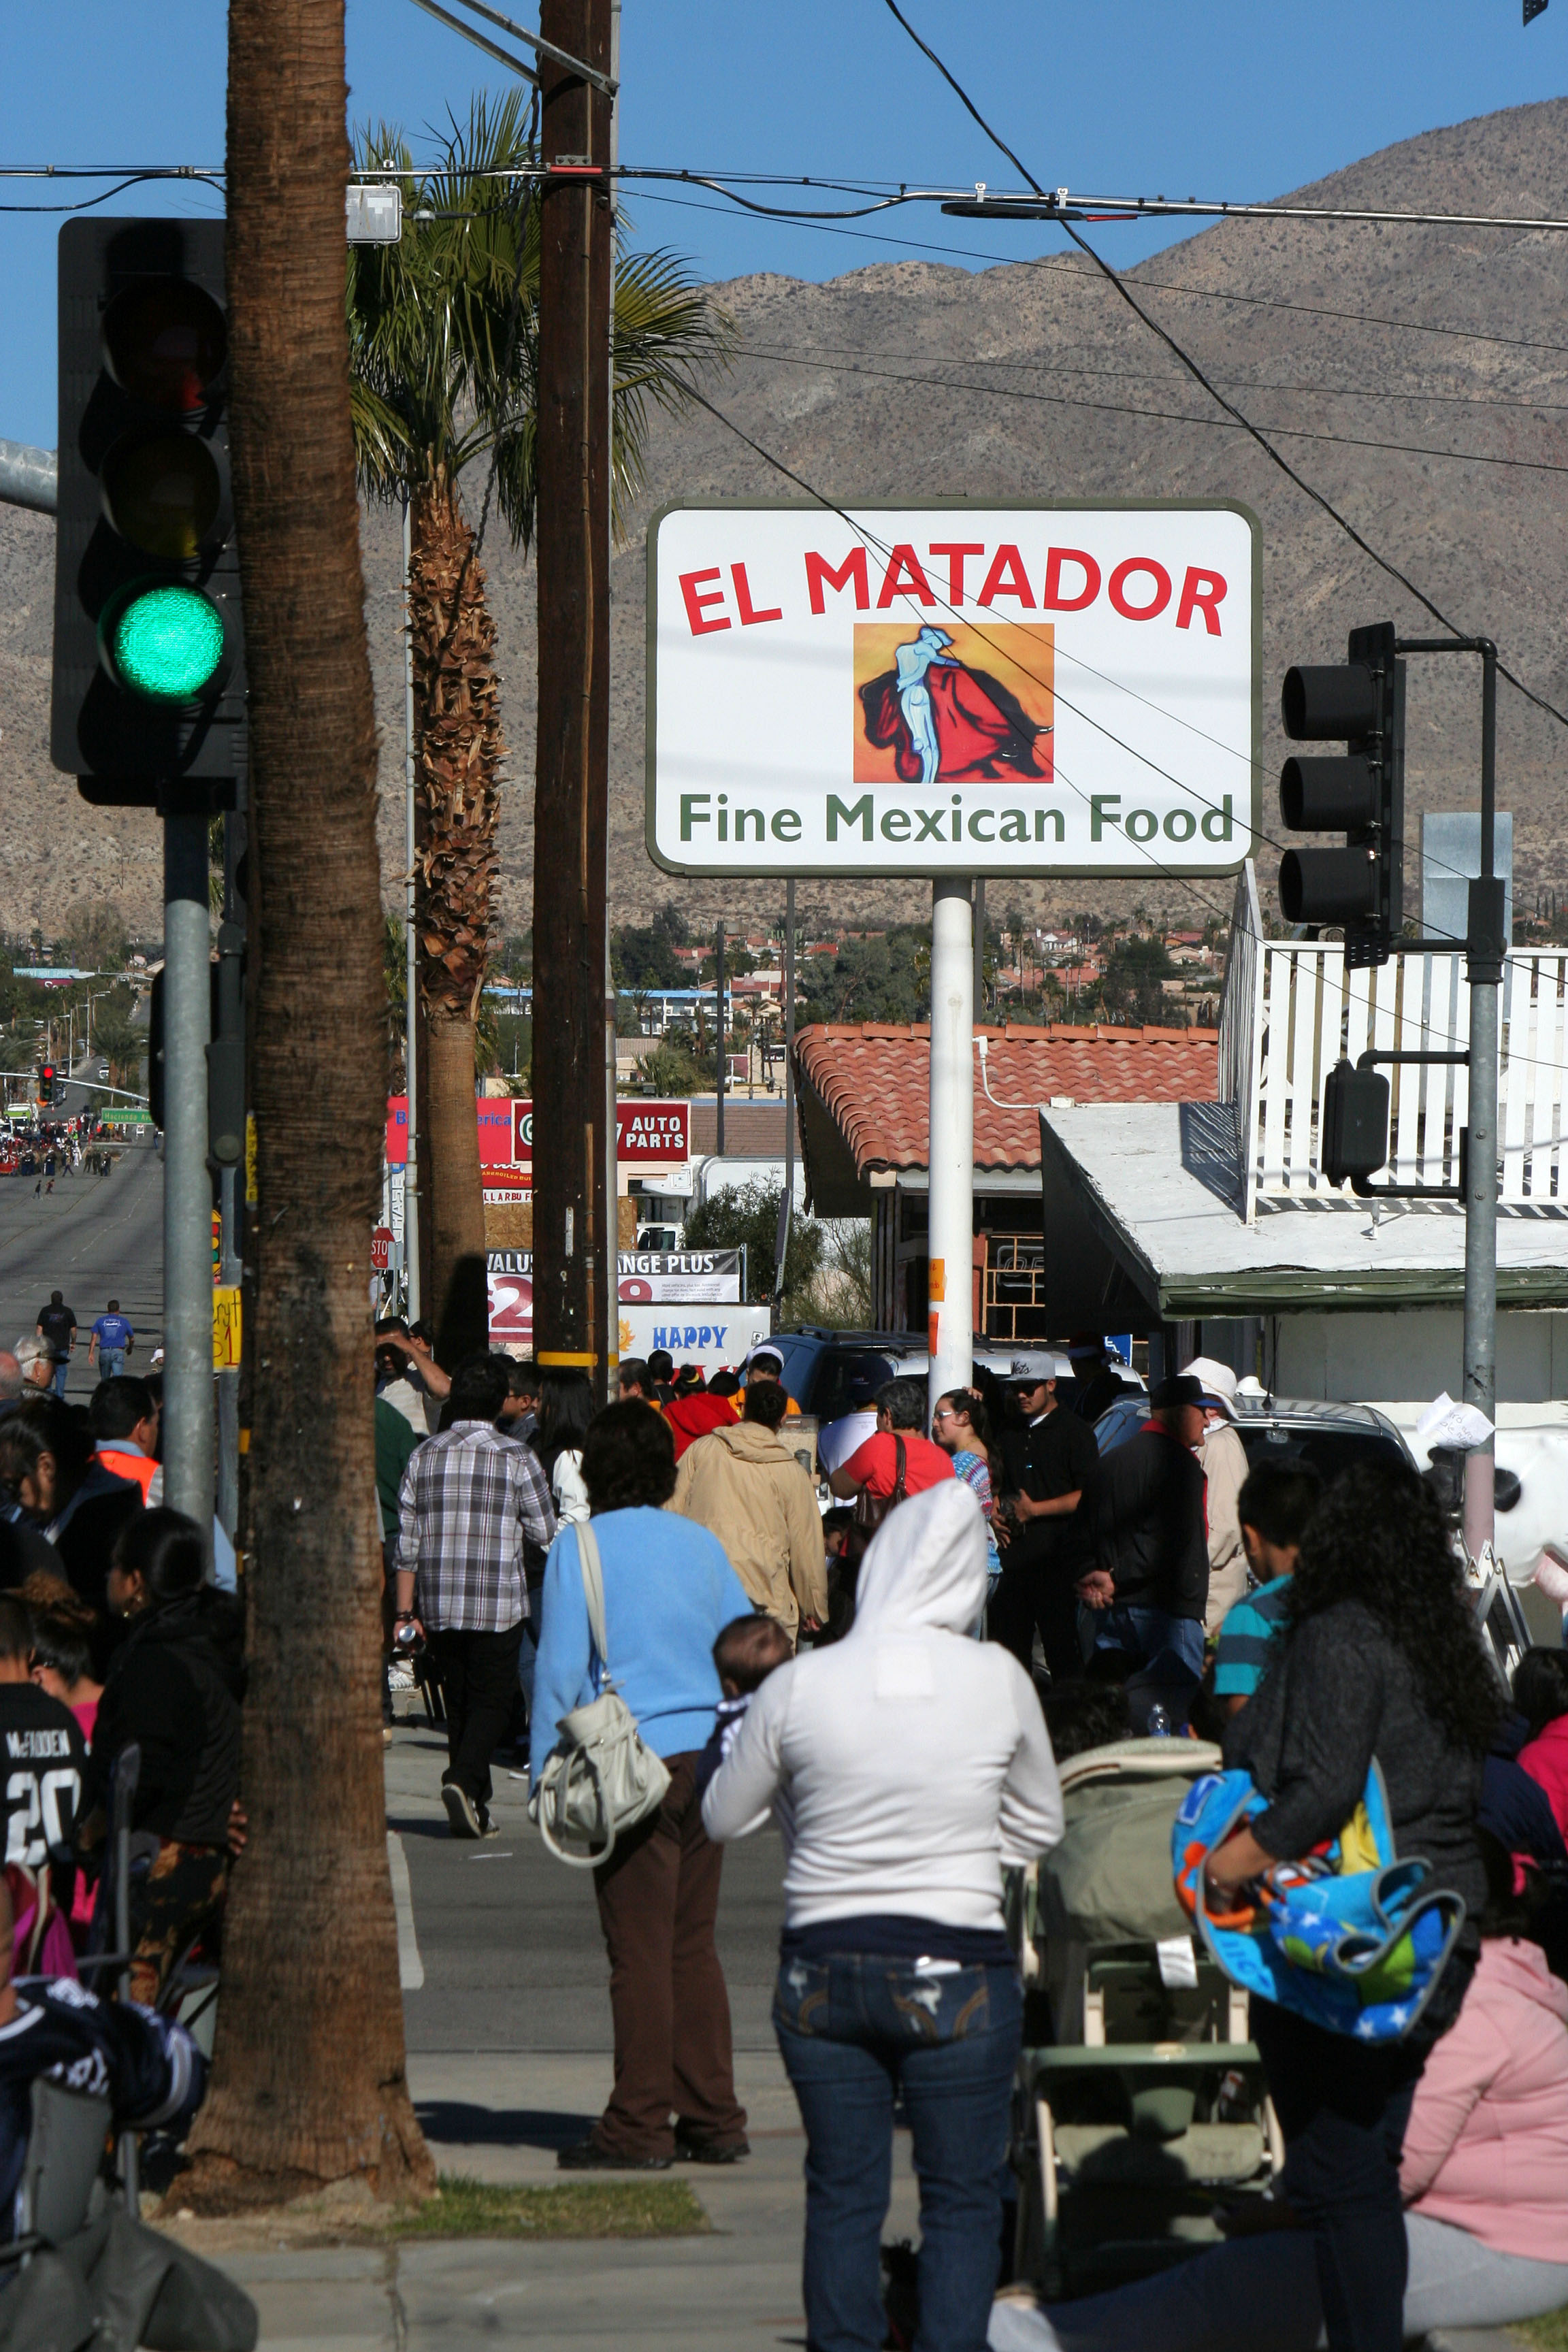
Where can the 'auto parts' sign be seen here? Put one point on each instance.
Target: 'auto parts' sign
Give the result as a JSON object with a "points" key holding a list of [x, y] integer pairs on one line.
{"points": [[965, 689], [652, 1133]]}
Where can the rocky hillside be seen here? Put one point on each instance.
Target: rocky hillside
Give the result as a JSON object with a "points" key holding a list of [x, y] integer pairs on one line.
{"points": [[909, 379]]}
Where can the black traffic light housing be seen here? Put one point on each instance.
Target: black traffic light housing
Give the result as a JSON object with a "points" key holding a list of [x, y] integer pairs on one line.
{"points": [[1359, 792], [148, 698], [1354, 1134]]}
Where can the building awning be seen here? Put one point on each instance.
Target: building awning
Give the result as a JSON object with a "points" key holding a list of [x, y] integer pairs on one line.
{"points": [[1142, 1212]]}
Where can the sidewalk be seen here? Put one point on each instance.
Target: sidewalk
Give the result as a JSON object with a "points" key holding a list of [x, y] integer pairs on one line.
{"points": [[486, 1942]]}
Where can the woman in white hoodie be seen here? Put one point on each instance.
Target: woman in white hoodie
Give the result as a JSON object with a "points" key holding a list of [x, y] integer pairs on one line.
{"points": [[917, 1764]]}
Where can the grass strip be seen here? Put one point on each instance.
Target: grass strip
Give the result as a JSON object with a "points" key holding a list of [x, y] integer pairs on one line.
{"points": [[465, 2208], [1548, 2333]]}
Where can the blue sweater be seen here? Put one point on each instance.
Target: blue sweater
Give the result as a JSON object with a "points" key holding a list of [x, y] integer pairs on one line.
{"points": [[669, 1592]]}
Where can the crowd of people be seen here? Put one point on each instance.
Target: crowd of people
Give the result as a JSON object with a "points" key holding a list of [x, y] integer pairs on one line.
{"points": [[878, 1668]]}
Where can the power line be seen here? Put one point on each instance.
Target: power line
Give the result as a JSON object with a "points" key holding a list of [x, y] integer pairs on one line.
{"points": [[1036, 366], [1084, 278], [1183, 417], [1255, 432]]}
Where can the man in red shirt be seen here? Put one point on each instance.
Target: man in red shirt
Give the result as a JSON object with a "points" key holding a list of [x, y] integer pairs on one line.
{"points": [[874, 1468]]}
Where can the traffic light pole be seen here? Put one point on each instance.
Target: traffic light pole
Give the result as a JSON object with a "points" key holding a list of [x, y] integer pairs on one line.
{"points": [[1486, 948], [187, 1185]]}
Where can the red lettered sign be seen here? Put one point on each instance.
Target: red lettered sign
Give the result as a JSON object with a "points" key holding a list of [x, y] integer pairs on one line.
{"points": [[380, 1249]]}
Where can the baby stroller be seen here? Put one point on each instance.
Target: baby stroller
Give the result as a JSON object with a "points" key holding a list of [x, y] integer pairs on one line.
{"points": [[1140, 2103]]}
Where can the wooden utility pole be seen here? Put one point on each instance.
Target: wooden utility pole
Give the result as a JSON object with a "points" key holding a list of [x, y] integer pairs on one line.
{"points": [[573, 1238]]}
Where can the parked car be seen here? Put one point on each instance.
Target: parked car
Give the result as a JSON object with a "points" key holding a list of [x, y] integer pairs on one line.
{"points": [[1331, 1437]]}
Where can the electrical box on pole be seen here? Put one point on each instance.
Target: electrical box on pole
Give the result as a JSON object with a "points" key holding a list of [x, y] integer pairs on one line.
{"points": [[1359, 792], [148, 690]]}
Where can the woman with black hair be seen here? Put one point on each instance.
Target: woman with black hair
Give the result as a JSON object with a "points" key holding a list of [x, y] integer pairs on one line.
{"points": [[1381, 1660], [173, 1686], [565, 1409]]}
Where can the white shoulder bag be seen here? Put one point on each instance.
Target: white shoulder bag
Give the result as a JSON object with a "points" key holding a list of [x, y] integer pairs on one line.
{"points": [[600, 1780]]}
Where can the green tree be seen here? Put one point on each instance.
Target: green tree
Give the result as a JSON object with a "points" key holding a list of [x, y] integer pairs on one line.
{"points": [[1131, 985], [749, 1213], [444, 340]]}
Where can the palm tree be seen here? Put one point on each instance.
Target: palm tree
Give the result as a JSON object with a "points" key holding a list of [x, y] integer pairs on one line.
{"points": [[308, 2083], [444, 337]]}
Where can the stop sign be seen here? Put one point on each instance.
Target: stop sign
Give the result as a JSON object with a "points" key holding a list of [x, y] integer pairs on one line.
{"points": [[380, 1249]]}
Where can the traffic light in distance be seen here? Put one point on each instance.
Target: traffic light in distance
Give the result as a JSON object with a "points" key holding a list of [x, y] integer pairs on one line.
{"points": [[1359, 792], [1355, 1133], [46, 1084], [149, 669]]}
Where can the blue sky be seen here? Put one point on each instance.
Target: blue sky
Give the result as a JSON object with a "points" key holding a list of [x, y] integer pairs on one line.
{"points": [[1232, 99]]}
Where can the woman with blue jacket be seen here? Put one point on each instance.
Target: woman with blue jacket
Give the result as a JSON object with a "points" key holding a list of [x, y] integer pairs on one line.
{"points": [[669, 1592]]}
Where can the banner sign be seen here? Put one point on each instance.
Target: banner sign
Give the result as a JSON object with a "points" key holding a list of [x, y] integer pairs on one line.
{"points": [[1041, 690], [693, 1297], [643, 1276]]}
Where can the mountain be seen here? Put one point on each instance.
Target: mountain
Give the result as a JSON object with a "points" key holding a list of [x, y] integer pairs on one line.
{"points": [[915, 379]]}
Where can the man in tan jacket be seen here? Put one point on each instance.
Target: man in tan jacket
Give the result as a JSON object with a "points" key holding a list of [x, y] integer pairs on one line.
{"points": [[746, 1488], [1224, 1458]]}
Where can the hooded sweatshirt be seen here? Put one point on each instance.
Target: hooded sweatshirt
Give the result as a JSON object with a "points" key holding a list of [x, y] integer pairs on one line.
{"points": [[1486, 2149], [916, 1760], [745, 1486]]}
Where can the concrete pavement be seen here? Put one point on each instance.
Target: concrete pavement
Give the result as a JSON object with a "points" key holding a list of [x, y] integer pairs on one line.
{"points": [[510, 2058]]}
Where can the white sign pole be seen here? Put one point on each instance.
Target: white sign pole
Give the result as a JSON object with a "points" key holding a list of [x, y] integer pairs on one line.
{"points": [[950, 1244]]}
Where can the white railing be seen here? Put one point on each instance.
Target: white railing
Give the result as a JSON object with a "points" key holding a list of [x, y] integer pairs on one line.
{"points": [[1290, 1010], [1240, 1031]]}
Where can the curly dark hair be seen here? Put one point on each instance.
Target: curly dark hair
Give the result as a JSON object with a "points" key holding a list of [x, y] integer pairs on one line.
{"points": [[1377, 1536], [628, 1459]]}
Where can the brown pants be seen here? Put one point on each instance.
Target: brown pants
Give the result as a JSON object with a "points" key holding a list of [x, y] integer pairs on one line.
{"points": [[659, 1898]]}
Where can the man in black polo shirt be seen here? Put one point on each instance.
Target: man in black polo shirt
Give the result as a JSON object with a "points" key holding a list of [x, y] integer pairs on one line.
{"points": [[1050, 1462]]}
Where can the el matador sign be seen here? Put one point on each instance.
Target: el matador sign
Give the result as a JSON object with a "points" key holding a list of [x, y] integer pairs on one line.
{"points": [[957, 689]]}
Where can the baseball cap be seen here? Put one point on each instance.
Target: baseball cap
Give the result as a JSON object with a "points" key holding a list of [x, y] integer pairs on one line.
{"points": [[1181, 1388]]}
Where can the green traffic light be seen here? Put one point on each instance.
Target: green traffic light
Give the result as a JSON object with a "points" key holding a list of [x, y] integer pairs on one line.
{"points": [[166, 644]]}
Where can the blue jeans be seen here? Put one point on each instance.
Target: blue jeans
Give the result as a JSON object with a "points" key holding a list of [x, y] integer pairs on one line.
{"points": [[59, 1384], [1146, 1632], [857, 2030], [110, 1363]]}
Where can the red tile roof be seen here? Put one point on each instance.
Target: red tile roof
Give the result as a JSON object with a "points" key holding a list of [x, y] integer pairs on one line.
{"points": [[873, 1079]]}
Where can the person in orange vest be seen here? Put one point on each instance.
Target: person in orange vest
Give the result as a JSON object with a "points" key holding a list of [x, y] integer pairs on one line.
{"points": [[124, 1418]]}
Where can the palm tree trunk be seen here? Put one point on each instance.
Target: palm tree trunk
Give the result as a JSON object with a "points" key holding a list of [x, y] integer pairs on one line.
{"points": [[458, 758], [308, 2083]]}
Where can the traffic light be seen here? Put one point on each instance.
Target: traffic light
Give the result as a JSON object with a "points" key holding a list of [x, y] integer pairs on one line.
{"points": [[1359, 792], [46, 1084], [149, 665]]}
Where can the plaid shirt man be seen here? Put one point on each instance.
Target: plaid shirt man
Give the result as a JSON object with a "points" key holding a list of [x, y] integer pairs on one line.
{"points": [[467, 1500]]}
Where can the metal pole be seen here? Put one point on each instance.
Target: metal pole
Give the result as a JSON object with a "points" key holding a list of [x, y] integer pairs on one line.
{"points": [[187, 1187], [1485, 946], [950, 1238], [410, 1019], [719, 1031], [979, 948], [787, 1206], [228, 1379]]}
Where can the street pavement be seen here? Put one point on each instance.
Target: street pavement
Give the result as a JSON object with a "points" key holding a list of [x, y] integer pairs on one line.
{"points": [[507, 2007], [95, 1238]]}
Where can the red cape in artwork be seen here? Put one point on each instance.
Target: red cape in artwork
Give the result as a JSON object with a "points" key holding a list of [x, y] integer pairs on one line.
{"points": [[984, 733]]}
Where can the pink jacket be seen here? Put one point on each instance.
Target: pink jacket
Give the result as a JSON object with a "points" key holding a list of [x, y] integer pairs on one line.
{"points": [[1487, 2146], [1546, 1761]]}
